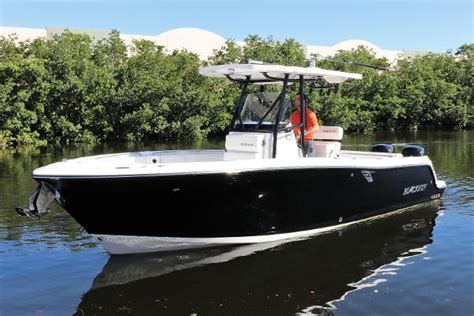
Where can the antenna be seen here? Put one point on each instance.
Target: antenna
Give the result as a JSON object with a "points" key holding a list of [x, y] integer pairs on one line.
{"points": [[315, 56]]}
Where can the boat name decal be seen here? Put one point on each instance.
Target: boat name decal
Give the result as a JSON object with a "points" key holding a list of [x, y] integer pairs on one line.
{"points": [[368, 175], [415, 189], [247, 144]]}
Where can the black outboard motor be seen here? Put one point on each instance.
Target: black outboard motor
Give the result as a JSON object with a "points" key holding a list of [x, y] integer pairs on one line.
{"points": [[412, 150], [383, 148]]}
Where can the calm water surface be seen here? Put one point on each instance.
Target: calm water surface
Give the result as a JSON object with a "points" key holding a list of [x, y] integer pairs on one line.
{"points": [[419, 262]]}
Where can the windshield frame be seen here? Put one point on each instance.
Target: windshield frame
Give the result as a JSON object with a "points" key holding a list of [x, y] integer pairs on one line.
{"points": [[262, 111]]}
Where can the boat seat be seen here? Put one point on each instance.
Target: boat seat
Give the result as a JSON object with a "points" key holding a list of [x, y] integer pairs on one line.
{"points": [[327, 141]]}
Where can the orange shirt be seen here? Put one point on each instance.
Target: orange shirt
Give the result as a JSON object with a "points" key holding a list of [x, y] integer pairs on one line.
{"points": [[311, 121]]}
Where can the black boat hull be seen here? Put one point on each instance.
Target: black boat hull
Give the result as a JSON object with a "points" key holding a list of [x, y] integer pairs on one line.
{"points": [[229, 205]]}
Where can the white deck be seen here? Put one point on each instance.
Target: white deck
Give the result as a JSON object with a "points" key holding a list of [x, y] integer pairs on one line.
{"points": [[212, 161], [245, 152]]}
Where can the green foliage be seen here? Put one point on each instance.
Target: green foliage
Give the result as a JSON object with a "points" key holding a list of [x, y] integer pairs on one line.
{"points": [[429, 91], [70, 88], [289, 52], [228, 54]]}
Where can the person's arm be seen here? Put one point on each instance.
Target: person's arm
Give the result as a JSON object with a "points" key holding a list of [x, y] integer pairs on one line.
{"points": [[295, 122], [313, 122]]}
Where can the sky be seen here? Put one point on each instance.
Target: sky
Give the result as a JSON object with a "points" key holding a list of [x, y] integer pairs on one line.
{"points": [[428, 25]]}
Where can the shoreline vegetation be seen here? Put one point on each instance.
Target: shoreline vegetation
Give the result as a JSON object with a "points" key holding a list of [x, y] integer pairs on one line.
{"points": [[71, 89]]}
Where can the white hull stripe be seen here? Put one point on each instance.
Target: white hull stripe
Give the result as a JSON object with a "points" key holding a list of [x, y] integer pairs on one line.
{"points": [[120, 244]]}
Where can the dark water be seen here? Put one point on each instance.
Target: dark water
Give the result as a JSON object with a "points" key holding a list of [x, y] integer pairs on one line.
{"points": [[419, 262]]}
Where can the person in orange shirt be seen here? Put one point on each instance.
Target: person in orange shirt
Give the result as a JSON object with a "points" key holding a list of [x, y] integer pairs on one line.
{"points": [[311, 126]]}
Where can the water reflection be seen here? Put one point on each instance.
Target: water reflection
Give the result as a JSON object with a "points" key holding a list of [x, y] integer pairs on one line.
{"points": [[300, 277]]}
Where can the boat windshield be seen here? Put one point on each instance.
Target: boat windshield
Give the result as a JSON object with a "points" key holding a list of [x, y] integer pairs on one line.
{"points": [[260, 111]]}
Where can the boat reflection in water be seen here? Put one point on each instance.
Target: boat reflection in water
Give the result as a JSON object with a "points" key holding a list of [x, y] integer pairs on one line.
{"points": [[303, 276]]}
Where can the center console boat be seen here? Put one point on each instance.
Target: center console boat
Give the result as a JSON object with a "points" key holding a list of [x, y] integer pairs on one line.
{"points": [[262, 187]]}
